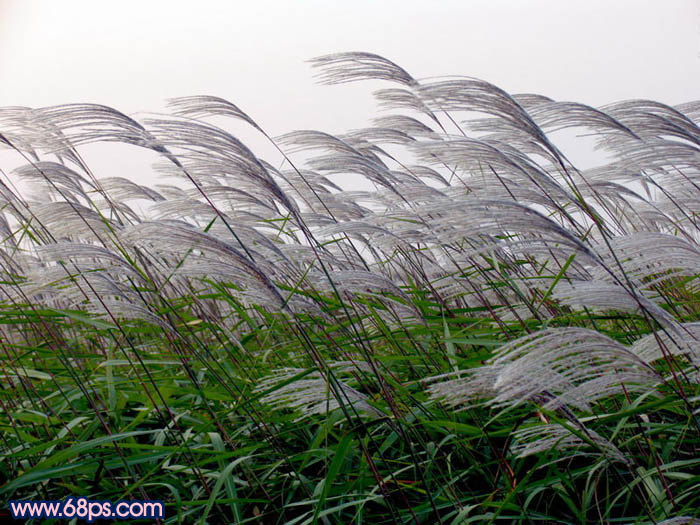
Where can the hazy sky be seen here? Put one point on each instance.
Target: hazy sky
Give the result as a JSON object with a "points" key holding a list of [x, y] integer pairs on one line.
{"points": [[134, 54]]}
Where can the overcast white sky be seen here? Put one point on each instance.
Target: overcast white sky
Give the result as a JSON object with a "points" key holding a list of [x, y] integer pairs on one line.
{"points": [[133, 54]]}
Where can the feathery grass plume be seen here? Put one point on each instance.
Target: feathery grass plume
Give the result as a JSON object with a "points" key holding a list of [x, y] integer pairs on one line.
{"points": [[205, 106], [555, 116], [656, 345], [69, 220], [464, 392], [542, 438], [32, 137], [470, 94], [571, 366], [338, 68], [179, 239], [399, 98], [651, 119], [210, 151], [406, 125], [72, 125], [556, 368], [87, 255], [650, 258], [120, 189], [604, 296], [310, 393], [46, 176]]}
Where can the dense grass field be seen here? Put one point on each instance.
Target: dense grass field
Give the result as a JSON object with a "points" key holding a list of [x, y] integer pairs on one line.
{"points": [[437, 319]]}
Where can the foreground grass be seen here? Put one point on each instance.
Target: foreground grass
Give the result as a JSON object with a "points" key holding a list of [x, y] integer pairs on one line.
{"points": [[491, 335]]}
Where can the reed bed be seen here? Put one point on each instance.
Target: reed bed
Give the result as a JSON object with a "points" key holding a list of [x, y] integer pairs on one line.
{"points": [[485, 334]]}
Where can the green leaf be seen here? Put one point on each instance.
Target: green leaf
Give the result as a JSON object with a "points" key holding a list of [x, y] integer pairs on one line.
{"points": [[338, 460]]}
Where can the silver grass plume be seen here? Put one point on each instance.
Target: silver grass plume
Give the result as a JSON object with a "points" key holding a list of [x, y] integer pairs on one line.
{"points": [[555, 368], [338, 68], [311, 393], [544, 437]]}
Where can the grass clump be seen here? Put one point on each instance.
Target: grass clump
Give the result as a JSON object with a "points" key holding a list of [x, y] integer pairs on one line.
{"points": [[487, 333]]}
